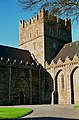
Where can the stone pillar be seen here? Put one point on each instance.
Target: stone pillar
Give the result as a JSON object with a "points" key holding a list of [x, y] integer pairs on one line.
{"points": [[68, 71], [68, 83], [30, 79], [52, 94]]}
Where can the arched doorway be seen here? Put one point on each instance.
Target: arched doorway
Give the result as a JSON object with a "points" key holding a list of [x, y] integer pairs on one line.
{"points": [[75, 86], [21, 98], [21, 91]]}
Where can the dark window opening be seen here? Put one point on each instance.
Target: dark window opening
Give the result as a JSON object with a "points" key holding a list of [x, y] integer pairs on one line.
{"points": [[21, 98]]}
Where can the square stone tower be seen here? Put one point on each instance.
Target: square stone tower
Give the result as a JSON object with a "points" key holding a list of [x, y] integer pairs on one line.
{"points": [[44, 35]]}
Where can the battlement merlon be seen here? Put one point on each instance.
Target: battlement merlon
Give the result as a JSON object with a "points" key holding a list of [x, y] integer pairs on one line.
{"points": [[39, 16], [45, 16], [21, 23]]}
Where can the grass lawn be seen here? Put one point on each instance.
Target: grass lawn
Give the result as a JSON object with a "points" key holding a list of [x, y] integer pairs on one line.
{"points": [[11, 112], [77, 106]]}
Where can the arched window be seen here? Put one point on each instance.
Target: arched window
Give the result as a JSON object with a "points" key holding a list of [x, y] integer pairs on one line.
{"points": [[24, 38], [54, 46], [37, 31], [30, 35], [51, 31], [34, 46], [62, 80]]}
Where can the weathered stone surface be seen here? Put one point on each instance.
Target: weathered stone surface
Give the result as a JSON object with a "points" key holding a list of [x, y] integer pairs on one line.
{"points": [[69, 94], [47, 80]]}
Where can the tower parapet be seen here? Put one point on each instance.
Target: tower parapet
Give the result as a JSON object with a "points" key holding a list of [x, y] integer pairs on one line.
{"points": [[45, 16], [34, 19]]}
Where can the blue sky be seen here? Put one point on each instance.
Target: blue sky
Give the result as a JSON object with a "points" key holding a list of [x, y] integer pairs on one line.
{"points": [[10, 14]]}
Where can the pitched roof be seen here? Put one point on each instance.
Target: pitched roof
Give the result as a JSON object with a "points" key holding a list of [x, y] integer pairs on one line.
{"points": [[68, 50], [15, 53]]}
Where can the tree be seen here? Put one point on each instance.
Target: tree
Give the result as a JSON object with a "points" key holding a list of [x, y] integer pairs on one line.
{"points": [[64, 8]]}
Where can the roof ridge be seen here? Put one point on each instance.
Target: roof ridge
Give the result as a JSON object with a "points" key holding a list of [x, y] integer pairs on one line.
{"points": [[69, 49], [71, 43]]}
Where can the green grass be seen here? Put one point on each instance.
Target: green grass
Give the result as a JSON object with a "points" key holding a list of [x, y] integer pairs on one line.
{"points": [[13, 113], [77, 106]]}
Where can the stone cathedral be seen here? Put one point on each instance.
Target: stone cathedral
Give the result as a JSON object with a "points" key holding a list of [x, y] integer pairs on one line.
{"points": [[45, 67]]}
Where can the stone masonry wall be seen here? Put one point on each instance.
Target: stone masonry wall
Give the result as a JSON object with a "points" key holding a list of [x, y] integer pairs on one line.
{"points": [[19, 84], [4, 84], [70, 69]]}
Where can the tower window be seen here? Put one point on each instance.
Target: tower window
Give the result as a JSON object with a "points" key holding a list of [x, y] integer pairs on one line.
{"points": [[34, 46], [54, 46], [64, 35], [25, 38], [58, 33], [30, 35], [37, 32], [51, 31]]}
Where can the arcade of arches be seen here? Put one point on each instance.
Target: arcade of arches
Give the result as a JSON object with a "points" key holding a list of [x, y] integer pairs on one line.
{"points": [[66, 83]]}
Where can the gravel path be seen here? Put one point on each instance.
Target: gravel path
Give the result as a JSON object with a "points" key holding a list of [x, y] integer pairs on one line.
{"points": [[52, 112]]}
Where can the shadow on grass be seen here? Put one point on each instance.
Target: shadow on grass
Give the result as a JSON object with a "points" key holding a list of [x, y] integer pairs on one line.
{"points": [[47, 118]]}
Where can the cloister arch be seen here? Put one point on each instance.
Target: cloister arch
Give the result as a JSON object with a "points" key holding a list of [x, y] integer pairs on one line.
{"points": [[59, 84], [74, 81], [56, 88]]}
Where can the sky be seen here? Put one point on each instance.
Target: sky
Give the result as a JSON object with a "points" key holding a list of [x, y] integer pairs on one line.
{"points": [[10, 15]]}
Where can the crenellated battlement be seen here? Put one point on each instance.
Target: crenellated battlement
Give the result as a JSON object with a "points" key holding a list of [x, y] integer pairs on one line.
{"points": [[34, 19], [21, 23], [55, 19], [45, 16]]}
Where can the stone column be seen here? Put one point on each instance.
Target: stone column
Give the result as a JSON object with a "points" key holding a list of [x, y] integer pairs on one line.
{"points": [[52, 94], [68, 82], [69, 91], [68, 71], [30, 79]]}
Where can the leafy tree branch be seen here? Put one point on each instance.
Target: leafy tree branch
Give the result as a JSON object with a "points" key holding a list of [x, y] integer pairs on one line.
{"points": [[63, 8]]}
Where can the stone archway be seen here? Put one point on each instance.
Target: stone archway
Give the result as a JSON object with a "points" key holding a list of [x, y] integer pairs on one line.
{"points": [[60, 88], [21, 91], [56, 89], [75, 86]]}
